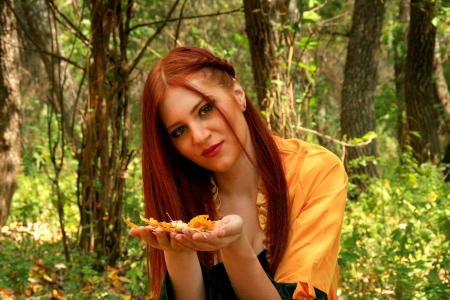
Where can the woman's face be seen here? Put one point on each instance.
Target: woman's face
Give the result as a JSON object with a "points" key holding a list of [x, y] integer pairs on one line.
{"points": [[198, 130]]}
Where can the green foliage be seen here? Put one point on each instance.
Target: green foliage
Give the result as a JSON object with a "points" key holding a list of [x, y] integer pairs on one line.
{"points": [[395, 240], [28, 265], [13, 268]]}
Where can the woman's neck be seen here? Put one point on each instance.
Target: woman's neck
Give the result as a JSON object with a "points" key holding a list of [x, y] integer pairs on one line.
{"points": [[241, 183]]}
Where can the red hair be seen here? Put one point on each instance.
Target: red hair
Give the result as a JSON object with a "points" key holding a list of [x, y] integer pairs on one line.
{"points": [[174, 184]]}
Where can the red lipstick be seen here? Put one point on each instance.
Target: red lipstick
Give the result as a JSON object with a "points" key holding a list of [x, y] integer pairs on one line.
{"points": [[213, 150]]}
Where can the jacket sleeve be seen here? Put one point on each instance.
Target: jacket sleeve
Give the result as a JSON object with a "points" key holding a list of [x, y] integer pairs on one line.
{"points": [[318, 194]]}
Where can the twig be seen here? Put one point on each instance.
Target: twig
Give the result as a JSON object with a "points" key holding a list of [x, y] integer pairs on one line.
{"points": [[63, 58], [240, 9], [141, 53], [180, 18], [335, 140], [36, 44], [71, 25]]}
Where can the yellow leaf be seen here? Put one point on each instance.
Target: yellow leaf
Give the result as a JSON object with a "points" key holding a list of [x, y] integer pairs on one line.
{"points": [[28, 292], [48, 278], [37, 288], [56, 294]]}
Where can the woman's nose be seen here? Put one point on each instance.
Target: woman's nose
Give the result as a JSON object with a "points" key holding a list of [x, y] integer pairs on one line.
{"points": [[200, 133]]}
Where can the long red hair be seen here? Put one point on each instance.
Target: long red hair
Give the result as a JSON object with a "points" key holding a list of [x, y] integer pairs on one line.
{"points": [[175, 185]]}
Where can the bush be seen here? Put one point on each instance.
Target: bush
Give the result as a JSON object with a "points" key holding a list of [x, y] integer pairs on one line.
{"points": [[395, 241]]}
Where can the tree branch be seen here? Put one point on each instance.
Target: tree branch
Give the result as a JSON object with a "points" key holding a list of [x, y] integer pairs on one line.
{"points": [[72, 26], [141, 53], [63, 58], [180, 18], [240, 9], [36, 44], [335, 140]]}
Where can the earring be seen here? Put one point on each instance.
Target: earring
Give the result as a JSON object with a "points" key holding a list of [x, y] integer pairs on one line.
{"points": [[245, 105]]}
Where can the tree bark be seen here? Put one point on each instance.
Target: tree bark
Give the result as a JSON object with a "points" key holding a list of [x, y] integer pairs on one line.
{"points": [[419, 87], [40, 37], [443, 96], [273, 86], [441, 91], [10, 105], [262, 40], [95, 164], [400, 50], [360, 80], [105, 154]]}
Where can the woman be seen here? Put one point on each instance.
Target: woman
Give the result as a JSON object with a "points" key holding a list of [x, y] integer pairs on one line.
{"points": [[280, 202]]}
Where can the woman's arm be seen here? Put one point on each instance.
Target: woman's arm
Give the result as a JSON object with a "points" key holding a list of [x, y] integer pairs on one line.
{"points": [[247, 276], [183, 265], [185, 275]]}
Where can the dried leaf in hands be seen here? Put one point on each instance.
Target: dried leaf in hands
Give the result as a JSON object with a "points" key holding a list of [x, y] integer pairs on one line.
{"points": [[199, 224], [129, 223]]}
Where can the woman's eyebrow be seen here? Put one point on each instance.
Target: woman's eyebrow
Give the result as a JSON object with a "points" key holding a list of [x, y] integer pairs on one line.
{"points": [[193, 110]]}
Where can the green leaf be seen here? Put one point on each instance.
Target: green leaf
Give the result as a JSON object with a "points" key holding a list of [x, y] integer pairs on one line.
{"points": [[415, 133], [426, 234], [435, 21], [433, 277], [310, 17], [195, 30], [293, 27], [308, 43], [277, 82], [280, 48]]}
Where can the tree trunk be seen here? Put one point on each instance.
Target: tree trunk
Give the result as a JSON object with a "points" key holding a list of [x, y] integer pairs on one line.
{"points": [[400, 50], [360, 80], [419, 87], [95, 165], [263, 45], [443, 96], [273, 85], [105, 154], [39, 31], [10, 105], [441, 91]]}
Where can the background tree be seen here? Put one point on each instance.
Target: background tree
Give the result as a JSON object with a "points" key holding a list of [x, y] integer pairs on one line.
{"points": [[400, 49], [105, 154], [263, 44], [360, 81], [46, 63], [269, 78], [10, 105], [419, 86]]}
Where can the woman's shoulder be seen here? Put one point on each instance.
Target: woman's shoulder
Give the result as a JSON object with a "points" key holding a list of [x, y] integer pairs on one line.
{"points": [[295, 149]]}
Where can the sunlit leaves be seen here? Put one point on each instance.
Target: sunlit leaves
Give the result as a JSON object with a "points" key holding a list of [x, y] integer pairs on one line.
{"points": [[308, 43], [310, 17], [402, 223]]}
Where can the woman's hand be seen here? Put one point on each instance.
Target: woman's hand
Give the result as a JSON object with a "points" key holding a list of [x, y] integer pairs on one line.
{"points": [[158, 238], [226, 233]]}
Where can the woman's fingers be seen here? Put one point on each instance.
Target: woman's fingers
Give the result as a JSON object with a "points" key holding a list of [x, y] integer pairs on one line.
{"points": [[135, 233], [225, 232], [147, 235]]}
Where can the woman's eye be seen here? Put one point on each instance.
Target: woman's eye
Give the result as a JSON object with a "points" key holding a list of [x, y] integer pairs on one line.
{"points": [[205, 109], [177, 132]]}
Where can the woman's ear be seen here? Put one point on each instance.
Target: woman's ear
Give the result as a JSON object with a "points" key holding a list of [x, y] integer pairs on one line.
{"points": [[240, 95]]}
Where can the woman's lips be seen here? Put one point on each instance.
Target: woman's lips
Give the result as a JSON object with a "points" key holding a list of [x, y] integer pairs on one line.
{"points": [[213, 150]]}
